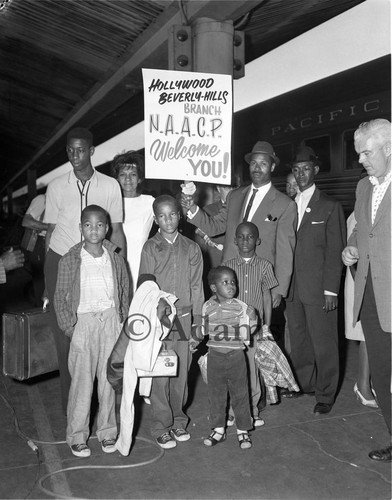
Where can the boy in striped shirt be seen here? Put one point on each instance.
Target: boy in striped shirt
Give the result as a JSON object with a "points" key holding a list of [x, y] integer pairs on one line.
{"points": [[229, 323], [255, 279]]}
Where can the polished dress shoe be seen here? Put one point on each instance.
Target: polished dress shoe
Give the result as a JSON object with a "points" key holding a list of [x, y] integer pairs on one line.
{"points": [[383, 455], [322, 408], [371, 403]]}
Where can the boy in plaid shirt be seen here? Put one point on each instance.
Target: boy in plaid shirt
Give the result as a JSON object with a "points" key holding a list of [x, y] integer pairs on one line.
{"points": [[91, 302]]}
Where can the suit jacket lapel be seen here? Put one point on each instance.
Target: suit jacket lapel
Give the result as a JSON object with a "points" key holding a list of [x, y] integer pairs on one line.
{"points": [[242, 205], [264, 209], [368, 203]]}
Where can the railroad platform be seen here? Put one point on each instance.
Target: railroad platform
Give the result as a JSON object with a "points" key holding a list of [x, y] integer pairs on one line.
{"points": [[295, 456]]}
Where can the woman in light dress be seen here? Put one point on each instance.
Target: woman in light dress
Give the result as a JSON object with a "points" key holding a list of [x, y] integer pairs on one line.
{"points": [[362, 387], [128, 169]]}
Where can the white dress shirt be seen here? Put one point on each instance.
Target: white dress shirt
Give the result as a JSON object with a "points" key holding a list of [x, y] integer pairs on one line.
{"points": [[379, 190], [261, 192], [302, 200]]}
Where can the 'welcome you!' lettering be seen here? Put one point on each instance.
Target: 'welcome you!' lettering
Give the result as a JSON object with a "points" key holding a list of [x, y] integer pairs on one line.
{"points": [[188, 120]]}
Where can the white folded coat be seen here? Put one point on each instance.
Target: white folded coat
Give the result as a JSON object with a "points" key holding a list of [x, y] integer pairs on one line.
{"points": [[146, 334]]}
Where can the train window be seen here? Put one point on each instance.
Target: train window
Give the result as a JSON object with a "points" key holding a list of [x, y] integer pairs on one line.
{"points": [[322, 147], [350, 155]]}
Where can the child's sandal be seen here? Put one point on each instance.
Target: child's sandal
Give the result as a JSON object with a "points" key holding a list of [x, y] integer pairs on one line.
{"points": [[244, 441], [212, 441]]}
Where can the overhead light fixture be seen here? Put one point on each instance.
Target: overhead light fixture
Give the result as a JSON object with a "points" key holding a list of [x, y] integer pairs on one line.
{"points": [[4, 4]]}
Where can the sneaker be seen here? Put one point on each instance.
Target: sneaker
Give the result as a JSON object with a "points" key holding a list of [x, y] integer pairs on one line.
{"points": [[108, 445], [81, 450], [258, 422], [230, 421], [180, 434], [166, 441]]}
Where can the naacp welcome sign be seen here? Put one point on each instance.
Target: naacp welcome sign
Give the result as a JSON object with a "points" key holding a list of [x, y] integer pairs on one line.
{"points": [[187, 119]]}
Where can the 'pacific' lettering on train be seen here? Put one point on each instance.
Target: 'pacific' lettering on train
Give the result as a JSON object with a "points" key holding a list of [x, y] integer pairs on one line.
{"points": [[325, 117]]}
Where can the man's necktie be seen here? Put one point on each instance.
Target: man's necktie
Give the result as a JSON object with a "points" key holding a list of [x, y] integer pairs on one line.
{"points": [[249, 205]]}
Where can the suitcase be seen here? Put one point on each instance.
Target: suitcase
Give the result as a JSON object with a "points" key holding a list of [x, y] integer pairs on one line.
{"points": [[28, 344]]}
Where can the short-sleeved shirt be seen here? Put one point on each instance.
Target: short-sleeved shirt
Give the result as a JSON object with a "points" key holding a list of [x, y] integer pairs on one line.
{"points": [[254, 276], [227, 323], [66, 197], [36, 209]]}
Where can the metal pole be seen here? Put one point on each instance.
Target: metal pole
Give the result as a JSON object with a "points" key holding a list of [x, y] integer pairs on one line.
{"points": [[212, 46]]}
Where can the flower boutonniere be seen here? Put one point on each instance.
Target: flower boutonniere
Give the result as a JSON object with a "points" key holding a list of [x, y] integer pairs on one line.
{"points": [[270, 218]]}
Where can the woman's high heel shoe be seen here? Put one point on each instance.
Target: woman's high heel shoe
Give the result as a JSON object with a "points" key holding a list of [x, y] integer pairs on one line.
{"points": [[366, 402]]}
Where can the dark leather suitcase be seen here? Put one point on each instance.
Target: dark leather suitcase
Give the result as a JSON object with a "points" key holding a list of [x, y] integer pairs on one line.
{"points": [[28, 344]]}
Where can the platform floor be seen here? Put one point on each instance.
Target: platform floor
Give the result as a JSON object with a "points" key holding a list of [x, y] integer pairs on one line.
{"points": [[296, 455]]}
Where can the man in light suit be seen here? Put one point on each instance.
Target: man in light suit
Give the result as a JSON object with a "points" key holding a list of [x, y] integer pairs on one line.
{"points": [[312, 301], [273, 212], [369, 247]]}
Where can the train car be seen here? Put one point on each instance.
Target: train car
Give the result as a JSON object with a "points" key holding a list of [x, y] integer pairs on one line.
{"points": [[324, 116]]}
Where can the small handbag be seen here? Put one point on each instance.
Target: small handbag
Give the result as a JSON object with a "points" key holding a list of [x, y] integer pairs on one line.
{"points": [[165, 365]]}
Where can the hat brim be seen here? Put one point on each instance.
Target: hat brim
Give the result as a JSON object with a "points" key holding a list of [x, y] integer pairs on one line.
{"points": [[275, 159], [315, 162]]}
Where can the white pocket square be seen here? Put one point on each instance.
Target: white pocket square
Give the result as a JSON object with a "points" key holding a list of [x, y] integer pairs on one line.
{"points": [[317, 222]]}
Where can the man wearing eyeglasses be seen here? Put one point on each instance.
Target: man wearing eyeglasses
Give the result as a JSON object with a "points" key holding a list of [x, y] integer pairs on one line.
{"points": [[313, 296]]}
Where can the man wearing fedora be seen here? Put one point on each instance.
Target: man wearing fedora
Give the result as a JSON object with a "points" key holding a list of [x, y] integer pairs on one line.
{"points": [[313, 296], [273, 212]]}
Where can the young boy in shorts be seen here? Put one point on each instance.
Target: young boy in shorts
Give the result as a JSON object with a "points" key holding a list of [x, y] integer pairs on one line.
{"points": [[91, 302], [255, 279], [177, 264]]}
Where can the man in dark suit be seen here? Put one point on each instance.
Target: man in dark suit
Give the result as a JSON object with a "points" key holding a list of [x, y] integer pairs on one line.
{"points": [[369, 247], [312, 301], [273, 212]]}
